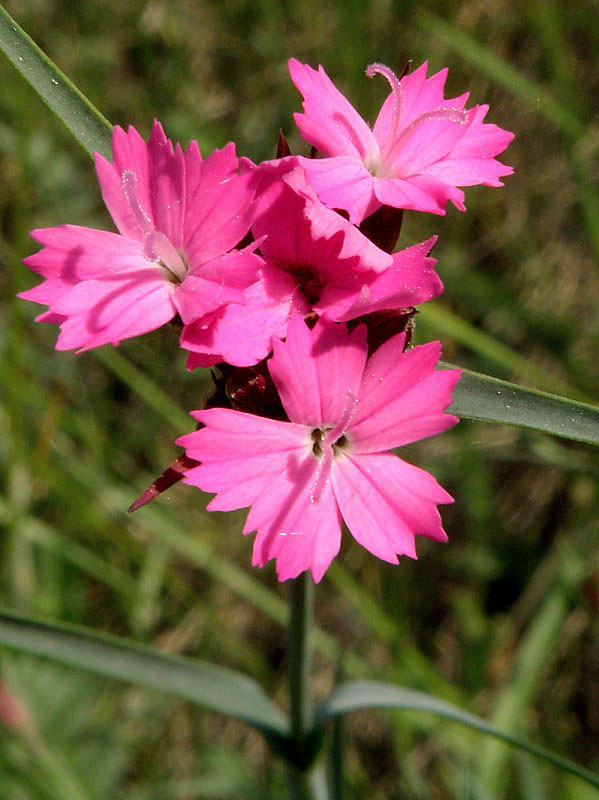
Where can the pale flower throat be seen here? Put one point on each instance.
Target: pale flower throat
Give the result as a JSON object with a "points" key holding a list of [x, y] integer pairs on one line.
{"points": [[328, 443], [156, 247]]}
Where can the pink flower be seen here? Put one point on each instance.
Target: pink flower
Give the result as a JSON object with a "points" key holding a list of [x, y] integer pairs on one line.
{"points": [[419, 151], [178, 218], [330, 461], [315, 262]]}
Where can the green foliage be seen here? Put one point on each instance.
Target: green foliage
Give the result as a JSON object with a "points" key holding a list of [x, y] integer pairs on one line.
{"points": [[501, 620]]}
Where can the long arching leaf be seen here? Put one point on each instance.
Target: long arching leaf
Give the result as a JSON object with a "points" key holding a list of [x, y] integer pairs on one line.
{"points": [[482, 397], [359, 695], [215, 688]]}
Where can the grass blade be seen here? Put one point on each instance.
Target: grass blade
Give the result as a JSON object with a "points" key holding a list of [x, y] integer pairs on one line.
{"points": [[482, 397], [359, 695], [84, 121], [215, 688], [502, 73]]}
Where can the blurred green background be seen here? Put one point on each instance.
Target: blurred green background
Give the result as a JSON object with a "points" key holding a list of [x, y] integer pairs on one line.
{"points": [[503, 619]]}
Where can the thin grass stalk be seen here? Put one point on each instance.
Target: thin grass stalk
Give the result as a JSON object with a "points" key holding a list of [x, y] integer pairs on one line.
{"points": [[301, 617]]}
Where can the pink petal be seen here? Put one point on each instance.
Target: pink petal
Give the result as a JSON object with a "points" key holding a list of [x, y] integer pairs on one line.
{"points": [[402, 397], [73, 254], [111, 184], [386, 502], [314, 370], [343, 182], [344, 239], [216, 283], [242, 334], [410, 281], [129, 155], [218, 203], [427, 143], [299, 533], [419, 95], [390, 372], [470, 172], [197, 296], [102, 312], [166, 176], [100, 285], [414, 415], [370, 513], [482, 139], [330, 122], [419, 193], [241, 455]]}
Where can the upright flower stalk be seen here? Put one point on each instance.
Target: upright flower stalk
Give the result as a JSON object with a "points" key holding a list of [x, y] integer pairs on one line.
{"points": [[299, 666]]}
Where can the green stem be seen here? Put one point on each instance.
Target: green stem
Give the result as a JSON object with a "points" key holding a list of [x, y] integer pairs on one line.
{"points": [[301, 614], [336, 759]]}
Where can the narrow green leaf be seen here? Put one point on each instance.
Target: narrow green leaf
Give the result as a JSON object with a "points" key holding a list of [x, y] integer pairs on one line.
{"points": [[359, 695], [84, 121], [439, 318], [481, 397], [215, 688]]}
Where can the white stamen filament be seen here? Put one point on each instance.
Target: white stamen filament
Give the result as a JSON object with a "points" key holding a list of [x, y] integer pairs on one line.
{"points": [[458, 115], [395, 136], [129, 183], [156, 247], [395, 84], [327, 443]]}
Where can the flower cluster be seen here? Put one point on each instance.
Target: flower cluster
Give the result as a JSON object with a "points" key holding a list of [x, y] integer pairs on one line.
{"points": [[284, 276]]}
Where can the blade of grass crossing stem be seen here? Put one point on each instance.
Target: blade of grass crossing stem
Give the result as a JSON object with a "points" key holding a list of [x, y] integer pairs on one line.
{"points": [[83, 120]]}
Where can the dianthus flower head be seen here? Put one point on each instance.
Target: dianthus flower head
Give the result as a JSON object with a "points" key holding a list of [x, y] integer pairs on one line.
{"points": [[420, 149], [331, 462], [315, 263], [179, 217]]}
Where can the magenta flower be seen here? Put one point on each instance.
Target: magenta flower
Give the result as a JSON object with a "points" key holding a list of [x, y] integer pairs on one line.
{"points": [[330, 462], [179, 218], [315, 262], [419, 151]]}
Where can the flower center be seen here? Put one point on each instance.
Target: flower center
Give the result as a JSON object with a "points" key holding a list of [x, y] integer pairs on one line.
{"points": [[309, 282], [156, 247], [328, 443], [384, 165]]}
